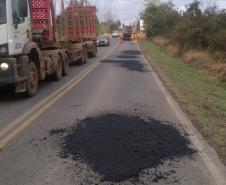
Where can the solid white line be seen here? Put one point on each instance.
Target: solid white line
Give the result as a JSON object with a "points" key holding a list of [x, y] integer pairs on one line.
{"points": [[214, 170]]}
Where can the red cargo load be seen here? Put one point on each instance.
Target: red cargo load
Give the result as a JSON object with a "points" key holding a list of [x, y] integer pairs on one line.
{"points": [[42, 18], [84, 22]]}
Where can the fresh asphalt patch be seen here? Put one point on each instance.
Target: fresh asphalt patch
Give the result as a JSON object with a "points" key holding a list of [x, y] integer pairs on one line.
{"points": [[132, 65], [128, 59], [122, 147], [131, 52], [126, 56]]}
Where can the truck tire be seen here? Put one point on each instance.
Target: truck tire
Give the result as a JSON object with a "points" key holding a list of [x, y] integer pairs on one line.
{"points": [[65, 65], [85, 55], [58, 73], [32, 80], [94, 50], [82, 59]]}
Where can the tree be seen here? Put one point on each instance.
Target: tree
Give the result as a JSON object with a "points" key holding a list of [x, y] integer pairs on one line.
{"points": [[211, 9], [110, 13], [58, 17], [159, 17], [118, 23], [193, 8]]}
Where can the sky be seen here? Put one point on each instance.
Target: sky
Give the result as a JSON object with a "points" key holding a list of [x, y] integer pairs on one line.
{"points": [[128, 10]]}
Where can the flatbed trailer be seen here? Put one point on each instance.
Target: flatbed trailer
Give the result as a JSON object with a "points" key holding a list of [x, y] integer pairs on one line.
{"points": [[31, 49]]}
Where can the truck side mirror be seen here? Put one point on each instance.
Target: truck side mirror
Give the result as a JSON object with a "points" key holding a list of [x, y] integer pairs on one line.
{"points": [[22, 7]]}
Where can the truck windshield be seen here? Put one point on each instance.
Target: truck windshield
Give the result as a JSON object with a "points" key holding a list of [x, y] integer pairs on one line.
{"points": [[2, 11], [15, 12]]}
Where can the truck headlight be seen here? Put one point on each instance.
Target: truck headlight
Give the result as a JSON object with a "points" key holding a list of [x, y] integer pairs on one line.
{"points": [[3, 49], [4, 66]]}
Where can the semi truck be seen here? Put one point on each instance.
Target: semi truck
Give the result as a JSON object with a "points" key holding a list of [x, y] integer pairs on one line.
{"points": [[127, 31], [31, 46]]}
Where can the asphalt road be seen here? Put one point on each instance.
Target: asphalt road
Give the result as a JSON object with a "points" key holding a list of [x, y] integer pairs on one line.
{"points": [[110, 121]]}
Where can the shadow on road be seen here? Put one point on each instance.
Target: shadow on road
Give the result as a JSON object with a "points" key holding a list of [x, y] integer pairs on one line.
{"points": [[9, 95], [120, 147]]}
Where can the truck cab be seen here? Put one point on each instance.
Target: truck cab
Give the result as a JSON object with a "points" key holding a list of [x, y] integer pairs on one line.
{"points": [[15, 34], [15, 26]]}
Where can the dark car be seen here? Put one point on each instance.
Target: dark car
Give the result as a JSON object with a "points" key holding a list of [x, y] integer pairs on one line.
{"points": [[103, 40]]}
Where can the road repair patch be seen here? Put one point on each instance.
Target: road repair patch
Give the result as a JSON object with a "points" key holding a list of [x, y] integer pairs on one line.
{"points": [[123, 147]]}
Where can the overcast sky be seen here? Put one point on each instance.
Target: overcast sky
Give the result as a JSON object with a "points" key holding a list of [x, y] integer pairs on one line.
{"points": [[127, 10]]}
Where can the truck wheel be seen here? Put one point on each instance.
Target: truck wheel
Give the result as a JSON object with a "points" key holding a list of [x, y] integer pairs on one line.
{"points": [[65, 65], [32, 80], [58, 73], [85, 55], [82, 59], [94, 50]]}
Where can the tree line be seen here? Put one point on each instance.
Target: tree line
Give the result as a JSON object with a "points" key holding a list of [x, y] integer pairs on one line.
{"points": [[193, 28]]}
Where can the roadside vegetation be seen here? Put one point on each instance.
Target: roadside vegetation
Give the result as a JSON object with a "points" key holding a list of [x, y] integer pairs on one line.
{"points": [[197, 35], [191, 60]]}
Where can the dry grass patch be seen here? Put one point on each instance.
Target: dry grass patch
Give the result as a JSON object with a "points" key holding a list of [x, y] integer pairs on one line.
{"points": [[217, 70], [173, 50], [213, 65], [169, 47], [220, 56], [161, 41], [193, 56]]}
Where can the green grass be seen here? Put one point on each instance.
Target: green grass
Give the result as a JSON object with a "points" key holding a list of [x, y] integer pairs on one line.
{"points": [[203, 97]]}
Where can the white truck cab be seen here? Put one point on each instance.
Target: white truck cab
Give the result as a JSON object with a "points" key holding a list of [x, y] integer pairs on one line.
{"points": [[15, 34], [14, 29]]}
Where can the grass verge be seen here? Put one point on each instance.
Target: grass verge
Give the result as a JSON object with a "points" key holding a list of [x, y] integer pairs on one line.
{"points": [[202, 97], [213, 63]]}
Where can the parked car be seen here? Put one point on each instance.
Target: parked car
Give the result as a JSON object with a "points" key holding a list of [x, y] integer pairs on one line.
{"points": [[103, 40], [115, 34]]}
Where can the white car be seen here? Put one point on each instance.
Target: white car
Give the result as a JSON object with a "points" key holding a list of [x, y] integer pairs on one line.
{"points": [[115, 34]]}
